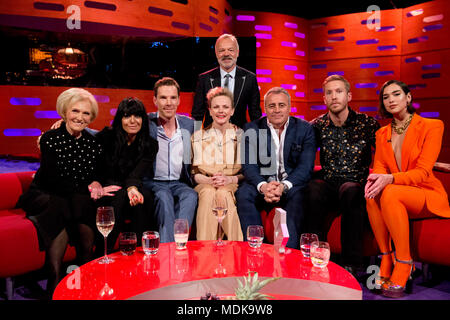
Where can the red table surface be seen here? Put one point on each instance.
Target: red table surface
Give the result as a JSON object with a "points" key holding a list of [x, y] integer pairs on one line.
{"points": [[130, 276]]}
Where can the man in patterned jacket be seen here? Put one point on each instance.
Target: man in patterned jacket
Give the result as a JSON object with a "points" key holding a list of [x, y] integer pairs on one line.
{"points": [[345, 138]]}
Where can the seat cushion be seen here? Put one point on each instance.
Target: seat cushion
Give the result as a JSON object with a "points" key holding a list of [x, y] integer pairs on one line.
{"points": [[267, 222], [19, 247], [10, 190], [434, 244]]}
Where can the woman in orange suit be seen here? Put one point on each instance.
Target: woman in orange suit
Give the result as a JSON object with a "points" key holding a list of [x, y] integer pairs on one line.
{"points": [[402, 185]]}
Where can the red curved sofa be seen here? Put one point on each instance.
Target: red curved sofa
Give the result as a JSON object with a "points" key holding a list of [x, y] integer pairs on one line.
{"points": [[430, 238], [19, 246]]}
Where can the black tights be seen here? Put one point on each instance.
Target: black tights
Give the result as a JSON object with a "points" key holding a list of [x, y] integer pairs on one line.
{"points": [[55, 254]]}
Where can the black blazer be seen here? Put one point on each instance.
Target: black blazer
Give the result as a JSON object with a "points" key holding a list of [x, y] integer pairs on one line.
{"points": [[299, 152], [246, 95]]}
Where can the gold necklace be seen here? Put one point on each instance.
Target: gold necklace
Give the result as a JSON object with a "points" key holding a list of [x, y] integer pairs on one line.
{"points": [[400, 130]]}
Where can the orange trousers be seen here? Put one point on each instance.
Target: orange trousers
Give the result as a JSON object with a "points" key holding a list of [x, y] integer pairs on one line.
{"points": [[389, 215]]}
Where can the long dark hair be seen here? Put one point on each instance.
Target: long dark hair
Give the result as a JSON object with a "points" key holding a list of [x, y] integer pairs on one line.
{"points": [[128, 107], [382, 109]]}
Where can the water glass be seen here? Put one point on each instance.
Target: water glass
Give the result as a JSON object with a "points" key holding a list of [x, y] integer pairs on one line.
{"points": [[181, 233], [150, 242], [320, 253], [127, 243], [305, 243], [255, 236]]}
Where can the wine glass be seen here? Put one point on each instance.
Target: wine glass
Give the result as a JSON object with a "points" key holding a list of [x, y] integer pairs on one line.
{"points": [[105, 223], [220, 210]]}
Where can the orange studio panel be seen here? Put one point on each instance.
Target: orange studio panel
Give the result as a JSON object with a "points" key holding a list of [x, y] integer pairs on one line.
{"points": [[137, 17], [366, 75], [315, 109], [286, 73], [436, 109], [427, 73], [212, 18], [426, 27], [277, 35], [28, 111], [367, 34], [299, 109]]}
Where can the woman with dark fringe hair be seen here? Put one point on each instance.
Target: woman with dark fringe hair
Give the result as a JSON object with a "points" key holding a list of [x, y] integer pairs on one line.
{"points": [[129, 156]]}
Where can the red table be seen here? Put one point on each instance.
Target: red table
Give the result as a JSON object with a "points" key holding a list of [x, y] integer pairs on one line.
{"points": [[176, 275]]}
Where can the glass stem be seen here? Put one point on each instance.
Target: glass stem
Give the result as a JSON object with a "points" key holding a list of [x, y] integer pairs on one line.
{"points": [[219, 230], [105, 246]]}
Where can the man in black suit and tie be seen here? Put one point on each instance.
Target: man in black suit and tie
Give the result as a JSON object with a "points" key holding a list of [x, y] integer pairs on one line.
{"points": [[278, 159], [241, 82]]}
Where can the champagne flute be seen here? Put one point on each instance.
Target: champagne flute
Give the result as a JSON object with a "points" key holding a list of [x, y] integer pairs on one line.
{"points": [[220, 210], [105, 223]]}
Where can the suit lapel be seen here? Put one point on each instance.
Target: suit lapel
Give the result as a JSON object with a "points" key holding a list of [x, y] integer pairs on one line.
{"points": [[288, 138], [238, 85], [153, 127], [411, 136], [214, 79]]}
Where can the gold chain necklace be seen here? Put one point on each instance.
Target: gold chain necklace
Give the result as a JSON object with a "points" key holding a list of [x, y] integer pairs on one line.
{"points": [[400, 130]]}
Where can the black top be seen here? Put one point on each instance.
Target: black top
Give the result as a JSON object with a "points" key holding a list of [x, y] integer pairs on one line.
{"points": [[125, 166], [68, 164], [246, 96], [346, 152]]}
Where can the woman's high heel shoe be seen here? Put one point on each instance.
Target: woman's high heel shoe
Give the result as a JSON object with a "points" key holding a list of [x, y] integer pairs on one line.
{"points": [[382, 279], [393, 290]]}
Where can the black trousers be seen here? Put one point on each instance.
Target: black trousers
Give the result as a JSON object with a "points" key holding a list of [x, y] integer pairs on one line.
{"points": [[324, 201], [141, 217], [250, 203]]}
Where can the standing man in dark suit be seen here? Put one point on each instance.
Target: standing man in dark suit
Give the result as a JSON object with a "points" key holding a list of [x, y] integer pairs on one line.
{"points": [[241, 82], [278, 160]]}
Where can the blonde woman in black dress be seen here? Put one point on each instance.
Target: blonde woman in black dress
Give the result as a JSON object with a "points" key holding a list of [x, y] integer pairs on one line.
{"points": [[58, 201]]}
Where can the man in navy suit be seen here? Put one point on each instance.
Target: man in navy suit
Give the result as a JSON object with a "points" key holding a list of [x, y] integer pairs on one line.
{"points": [[170, 180], [241, 82], [278, 160]]}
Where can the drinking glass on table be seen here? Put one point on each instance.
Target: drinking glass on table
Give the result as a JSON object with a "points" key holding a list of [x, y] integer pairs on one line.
{"points": [[220, 210], [127, 243], [150, 242], [305, 243], [320, 253], [181, 233], [105, 223], [255, 236]]}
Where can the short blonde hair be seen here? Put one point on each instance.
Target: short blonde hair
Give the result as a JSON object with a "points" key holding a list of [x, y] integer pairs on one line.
{"points": [[336, 77], [219, 91], [73, 95]]}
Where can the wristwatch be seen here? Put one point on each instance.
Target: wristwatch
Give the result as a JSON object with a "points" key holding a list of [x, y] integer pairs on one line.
{"points": [[285, 187]]}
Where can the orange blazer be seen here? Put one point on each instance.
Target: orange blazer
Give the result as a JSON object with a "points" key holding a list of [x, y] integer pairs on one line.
{"points": [[420, 151]]}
